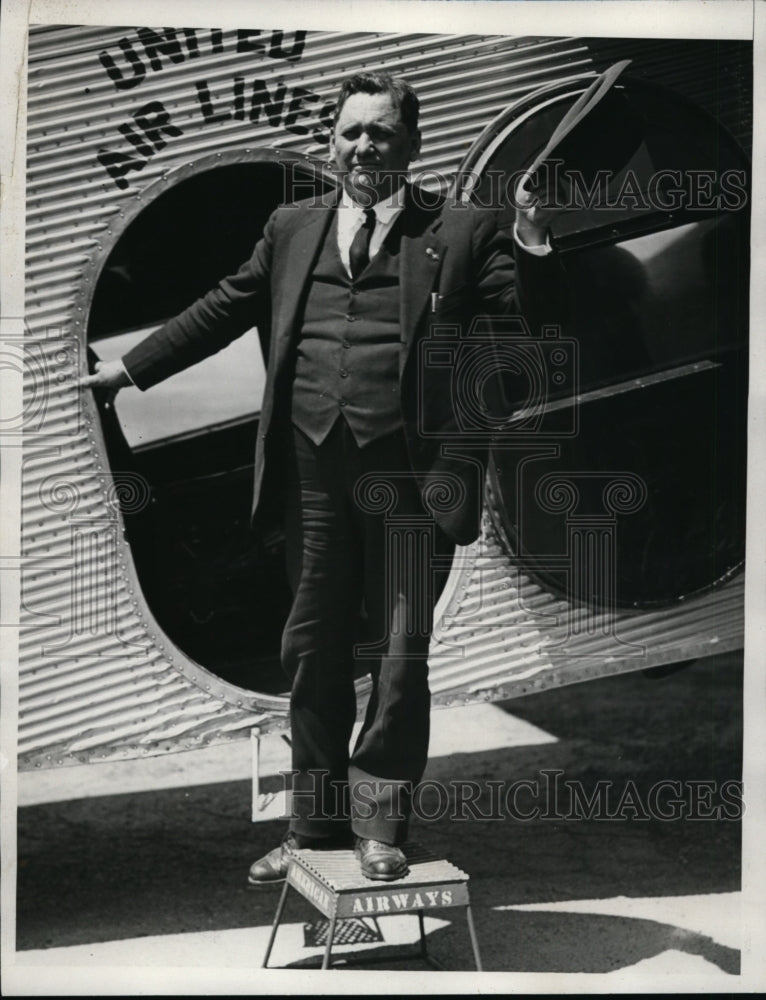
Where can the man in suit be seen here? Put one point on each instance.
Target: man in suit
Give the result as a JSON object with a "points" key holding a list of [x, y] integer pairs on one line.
{"points": [[354, 425]]}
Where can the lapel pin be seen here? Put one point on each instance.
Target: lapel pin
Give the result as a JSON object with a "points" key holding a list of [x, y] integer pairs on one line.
{"points": [[432, 253]]}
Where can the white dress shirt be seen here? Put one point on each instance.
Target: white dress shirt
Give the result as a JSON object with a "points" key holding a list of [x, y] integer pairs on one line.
{"points": [[351, 218]]}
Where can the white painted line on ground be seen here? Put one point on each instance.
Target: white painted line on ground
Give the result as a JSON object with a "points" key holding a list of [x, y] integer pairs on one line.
{"points": [[716, 915], [664, 972], [243, 947], [466, 729]]}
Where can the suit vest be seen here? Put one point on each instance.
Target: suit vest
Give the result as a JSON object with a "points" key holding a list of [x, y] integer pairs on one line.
{"points": [[347, 359]]}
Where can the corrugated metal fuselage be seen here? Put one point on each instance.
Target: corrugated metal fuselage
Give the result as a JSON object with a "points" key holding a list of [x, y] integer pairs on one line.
{"points": [[139, 140]]}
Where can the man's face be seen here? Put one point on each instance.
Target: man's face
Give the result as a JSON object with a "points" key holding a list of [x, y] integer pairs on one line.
{"points": [[372, 146]]}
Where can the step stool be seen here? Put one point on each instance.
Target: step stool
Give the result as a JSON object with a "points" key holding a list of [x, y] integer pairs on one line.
{"points": [[332, 882]]}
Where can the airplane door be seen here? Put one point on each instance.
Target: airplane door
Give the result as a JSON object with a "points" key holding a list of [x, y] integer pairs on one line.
{"points": [[217, 589], [629, 491]]}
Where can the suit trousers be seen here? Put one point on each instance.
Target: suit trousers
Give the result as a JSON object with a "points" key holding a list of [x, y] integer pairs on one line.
{"points": [[372, 564]]}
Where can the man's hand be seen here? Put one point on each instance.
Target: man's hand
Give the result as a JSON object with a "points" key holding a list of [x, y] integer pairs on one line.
{"points": [[109, 375], [534, 213]]}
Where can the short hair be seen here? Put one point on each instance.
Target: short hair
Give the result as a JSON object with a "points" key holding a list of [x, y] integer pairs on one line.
{"points": [[400, 92]]}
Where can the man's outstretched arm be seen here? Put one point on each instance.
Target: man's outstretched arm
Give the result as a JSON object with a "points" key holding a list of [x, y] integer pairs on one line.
{"points": [[211, 323]]}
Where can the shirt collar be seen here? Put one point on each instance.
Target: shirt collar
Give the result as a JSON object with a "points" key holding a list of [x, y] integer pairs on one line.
{"points": [[385, 209]]}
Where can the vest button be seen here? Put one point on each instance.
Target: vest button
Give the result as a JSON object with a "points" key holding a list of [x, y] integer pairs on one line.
{"points": [[343, 373], [347, 343], [341, 402], [353, 290], [350, 317]]}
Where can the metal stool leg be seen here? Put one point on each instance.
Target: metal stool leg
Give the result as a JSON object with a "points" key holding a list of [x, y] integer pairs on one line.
{"points": [[255, 760], [424, 952], [474, 939], [423, 942], [330, 938], [277, 918]]}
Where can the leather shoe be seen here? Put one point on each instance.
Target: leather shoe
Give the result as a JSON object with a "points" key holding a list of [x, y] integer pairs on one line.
{"points": [[272, 867], [382, 862]]}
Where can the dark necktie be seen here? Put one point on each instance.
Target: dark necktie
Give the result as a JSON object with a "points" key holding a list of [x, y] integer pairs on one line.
{"points": [[359, 252]]}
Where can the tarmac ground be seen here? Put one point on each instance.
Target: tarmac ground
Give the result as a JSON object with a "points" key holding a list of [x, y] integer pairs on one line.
{"points": [[602, 845]]}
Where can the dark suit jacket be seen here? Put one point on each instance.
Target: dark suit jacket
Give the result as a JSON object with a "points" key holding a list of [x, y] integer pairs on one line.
{"points": [[452, 251]]}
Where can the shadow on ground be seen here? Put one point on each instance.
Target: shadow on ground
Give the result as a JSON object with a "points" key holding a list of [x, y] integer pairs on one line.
{"points": [[175, 861], [547, 942]]}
